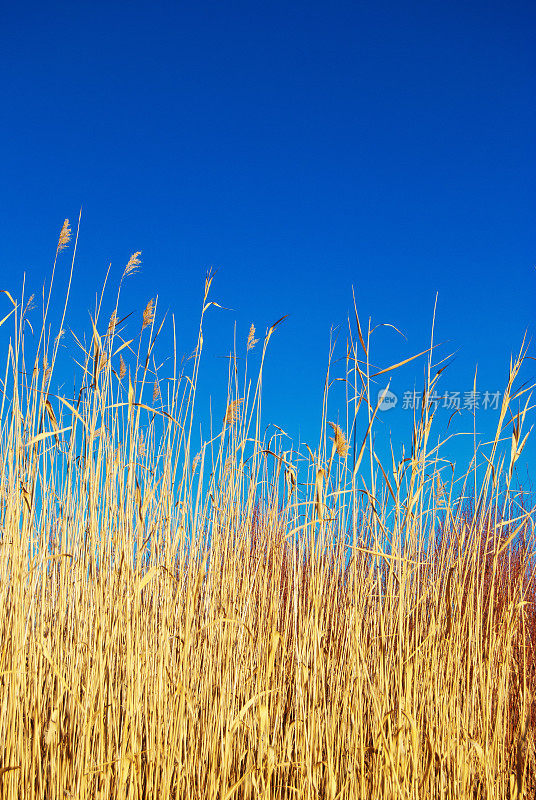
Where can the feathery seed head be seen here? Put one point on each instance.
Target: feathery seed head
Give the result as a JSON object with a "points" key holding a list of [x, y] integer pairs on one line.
{"points": [[148, 315], [251, 338], [133, 264], [339, 440], [47, 370], [231, 414], [142, 451], [65, 236], [30, 305], [112, 324]]}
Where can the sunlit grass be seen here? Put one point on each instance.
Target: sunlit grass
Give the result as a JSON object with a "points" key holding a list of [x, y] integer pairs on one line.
{"points": [[239, 619]]}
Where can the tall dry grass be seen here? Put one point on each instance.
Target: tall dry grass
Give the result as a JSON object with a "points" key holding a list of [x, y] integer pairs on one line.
{"points": [[244, 620]]}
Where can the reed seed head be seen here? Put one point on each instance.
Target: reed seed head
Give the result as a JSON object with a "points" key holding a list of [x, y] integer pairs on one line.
{"points": [[251, 338], [65, 236], [133, 264], [148, 315], [339, 440], [231, 414]]}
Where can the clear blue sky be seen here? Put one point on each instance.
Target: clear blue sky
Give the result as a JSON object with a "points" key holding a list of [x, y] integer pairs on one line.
{"points": [[300, 148]]}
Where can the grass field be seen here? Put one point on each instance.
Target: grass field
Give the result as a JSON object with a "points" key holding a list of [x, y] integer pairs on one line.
{"points": [[244, 620]]}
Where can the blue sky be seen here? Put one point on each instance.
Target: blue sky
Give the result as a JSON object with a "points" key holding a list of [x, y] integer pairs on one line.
{"points": [[300, 149]]}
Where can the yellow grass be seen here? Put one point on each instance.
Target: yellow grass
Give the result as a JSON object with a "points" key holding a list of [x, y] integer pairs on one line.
{"points": [[242, 620]]}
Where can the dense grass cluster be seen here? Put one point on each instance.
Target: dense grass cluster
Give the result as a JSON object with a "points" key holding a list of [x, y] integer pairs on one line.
{"points": [[245, 620]]}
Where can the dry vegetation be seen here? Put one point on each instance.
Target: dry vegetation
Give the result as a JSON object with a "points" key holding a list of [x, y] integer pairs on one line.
{"points": [[247, 621]]}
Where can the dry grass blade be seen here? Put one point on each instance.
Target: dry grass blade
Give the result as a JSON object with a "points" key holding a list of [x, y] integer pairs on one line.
{"points": [[46, 434], [272, 328], [402, 363]]}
